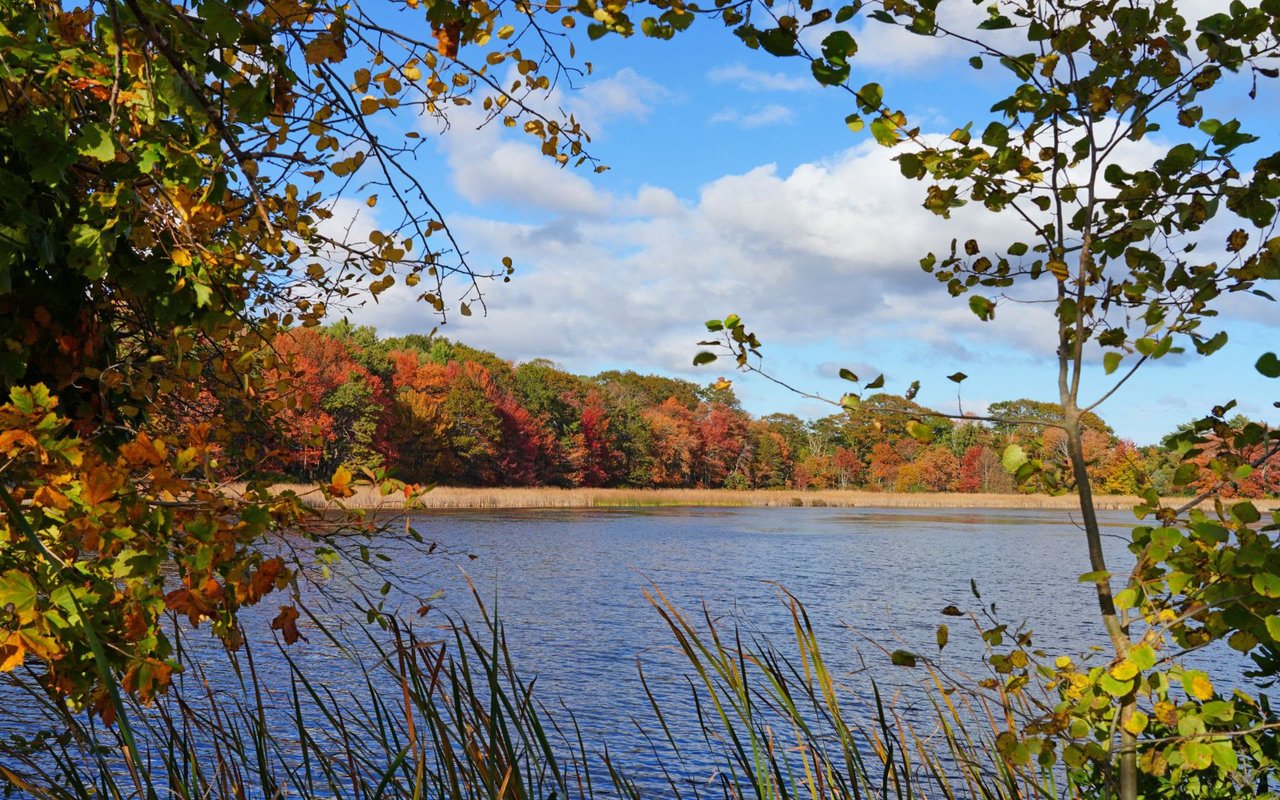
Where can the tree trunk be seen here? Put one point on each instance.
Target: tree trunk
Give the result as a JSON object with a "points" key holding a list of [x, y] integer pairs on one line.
{"points": [[1116, 630]]}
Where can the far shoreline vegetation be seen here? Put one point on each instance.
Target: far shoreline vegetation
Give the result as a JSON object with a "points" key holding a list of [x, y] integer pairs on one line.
{"points": [[429, 411]]}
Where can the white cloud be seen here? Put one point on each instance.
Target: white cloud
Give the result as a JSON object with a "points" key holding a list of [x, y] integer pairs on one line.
{"points": [[755, 80], [770, 114], [624, 95], [490, 168], [825, 252]]}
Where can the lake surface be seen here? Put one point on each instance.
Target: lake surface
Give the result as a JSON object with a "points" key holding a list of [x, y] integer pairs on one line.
{"points": [[569, 586]]}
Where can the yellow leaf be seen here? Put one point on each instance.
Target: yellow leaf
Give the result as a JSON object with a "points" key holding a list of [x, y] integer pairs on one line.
{"points": [[340, 483], [180, 257], [413, 73], [11, 655], [1136, 723], [1201, 687], [368, 105]]}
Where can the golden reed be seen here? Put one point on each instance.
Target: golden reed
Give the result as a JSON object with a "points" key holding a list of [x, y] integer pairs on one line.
{"points": [[551, 497]]}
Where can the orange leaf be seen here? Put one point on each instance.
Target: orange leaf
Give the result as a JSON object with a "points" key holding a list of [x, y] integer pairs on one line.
{"points": [[447, 39], [287, 623]]}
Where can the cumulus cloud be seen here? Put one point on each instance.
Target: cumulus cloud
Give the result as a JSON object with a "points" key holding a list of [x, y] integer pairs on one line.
{"points": [[623, 95], [826, 251], [771, 114]]}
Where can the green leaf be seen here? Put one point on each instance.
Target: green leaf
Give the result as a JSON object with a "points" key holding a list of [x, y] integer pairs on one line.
{"points": [[95, 142], [715, 325], [1127, 598], [995, 135], [1198, 755], [16, 588], [1143, 657], [903, 658], [1094, 577], [1266, 584], [1013, 458], [957, 377], [703, 358], [1269, 365], [1111, 361], [848, 375], [919, 431], [1273, 627], [1246, 512], [984, 308], [1185, 473], [876, 384], [1114, 686], [943, 636]]}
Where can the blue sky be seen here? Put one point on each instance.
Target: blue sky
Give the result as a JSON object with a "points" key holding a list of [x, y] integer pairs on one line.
{"points": [[734, 186]]}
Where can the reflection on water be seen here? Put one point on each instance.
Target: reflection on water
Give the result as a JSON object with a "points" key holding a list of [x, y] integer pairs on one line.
{"points": [[569, 585]]}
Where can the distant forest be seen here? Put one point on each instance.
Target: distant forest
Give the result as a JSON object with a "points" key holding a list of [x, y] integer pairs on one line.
{"points": [[429, 410]]}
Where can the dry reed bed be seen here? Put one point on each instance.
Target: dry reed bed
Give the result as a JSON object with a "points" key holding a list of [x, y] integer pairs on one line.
{"points": [[449, 497]]}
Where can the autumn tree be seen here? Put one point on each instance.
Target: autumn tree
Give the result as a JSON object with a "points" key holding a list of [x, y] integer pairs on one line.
{"points": [[179, 181]]}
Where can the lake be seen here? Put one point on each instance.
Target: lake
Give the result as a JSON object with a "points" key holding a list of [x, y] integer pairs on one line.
{"points": [[569, 585]]}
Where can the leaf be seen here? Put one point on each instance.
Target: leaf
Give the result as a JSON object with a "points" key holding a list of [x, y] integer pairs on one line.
{"points": [[1136, 723], [287, 623], [875, 384], [1266, 584], [848, 375], [919, 431], [1246, 512], [1013, 458], [96, 143], [340, 483], [1186, 473], [18, 590], [1113, 686], [1269, 365], [943, 635], [903, 658], [704, 357], [1111, 361], [984, 308], [11, 654], [1198, 755], [1197, 684], [952, 611], [1143, 656], [1273, 627], [957, 377]]}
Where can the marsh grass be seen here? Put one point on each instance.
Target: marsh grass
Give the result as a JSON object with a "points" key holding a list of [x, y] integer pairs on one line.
{"points": [[448, 497], [448, 716]]}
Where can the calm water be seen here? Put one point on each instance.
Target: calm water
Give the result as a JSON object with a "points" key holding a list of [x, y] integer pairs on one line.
{"points": [[569, 586]]}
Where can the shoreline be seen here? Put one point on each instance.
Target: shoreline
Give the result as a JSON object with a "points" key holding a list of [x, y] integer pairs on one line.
{"points": [[449, 497]]}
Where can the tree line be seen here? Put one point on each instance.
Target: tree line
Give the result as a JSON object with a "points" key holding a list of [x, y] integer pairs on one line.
{"points": [[430, 410]]}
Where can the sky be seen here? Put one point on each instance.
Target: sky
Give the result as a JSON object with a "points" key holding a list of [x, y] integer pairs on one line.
{"points": [[734, 186]]}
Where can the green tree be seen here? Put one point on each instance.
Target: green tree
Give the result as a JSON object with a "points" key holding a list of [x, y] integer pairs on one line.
{"points": [[1123, 251]]}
